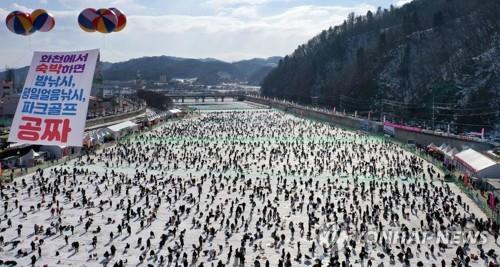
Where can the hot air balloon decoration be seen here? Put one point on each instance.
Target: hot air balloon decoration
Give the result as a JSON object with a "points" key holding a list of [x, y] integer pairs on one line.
{"points": [[121, 19], [20, 23], [86, 19], [106, 20], [42, 20], [103, 20]]}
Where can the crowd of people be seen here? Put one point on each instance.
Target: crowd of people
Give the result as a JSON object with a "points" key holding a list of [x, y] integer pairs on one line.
{"points": [[244, 188]]}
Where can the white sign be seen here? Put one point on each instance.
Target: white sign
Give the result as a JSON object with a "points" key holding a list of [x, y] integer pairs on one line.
{"points": [[52, 108]]}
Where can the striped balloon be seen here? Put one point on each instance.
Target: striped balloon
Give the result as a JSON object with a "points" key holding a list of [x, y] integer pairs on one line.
{"points": [[42, 20], [106, 21], [19, 23], [86, 18], [121, 19]]}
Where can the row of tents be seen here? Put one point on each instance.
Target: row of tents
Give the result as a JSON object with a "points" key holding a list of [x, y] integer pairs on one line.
{"points": [[26, 155], [118, 131]]}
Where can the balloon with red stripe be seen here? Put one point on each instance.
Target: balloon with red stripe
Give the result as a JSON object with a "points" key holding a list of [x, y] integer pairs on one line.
{"points": [[121, 19], [106, 21], [42, 20], [19, 23], [86, 19]]}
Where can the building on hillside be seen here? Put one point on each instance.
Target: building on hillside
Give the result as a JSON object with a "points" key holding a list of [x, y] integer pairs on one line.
{"points": [[7, 88], [163, 78], [8, 102], [476, 164]]}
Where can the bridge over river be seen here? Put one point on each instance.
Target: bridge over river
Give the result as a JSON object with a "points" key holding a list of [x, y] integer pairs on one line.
{"points": [[181, 96]]}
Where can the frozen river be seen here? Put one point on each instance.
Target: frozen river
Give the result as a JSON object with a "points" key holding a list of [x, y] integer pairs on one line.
{"points": [[243, 187]]}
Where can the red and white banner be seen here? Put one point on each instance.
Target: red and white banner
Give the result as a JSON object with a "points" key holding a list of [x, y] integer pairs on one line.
{"points": [[402, 127]]}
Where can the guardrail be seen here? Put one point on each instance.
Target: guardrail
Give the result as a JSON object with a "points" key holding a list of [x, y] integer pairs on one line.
{"points": [[358, 119]]}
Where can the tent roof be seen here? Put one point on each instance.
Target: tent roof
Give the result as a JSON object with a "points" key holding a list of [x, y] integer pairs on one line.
{"points": [[18, 145], [121, 126], [474, 160]]}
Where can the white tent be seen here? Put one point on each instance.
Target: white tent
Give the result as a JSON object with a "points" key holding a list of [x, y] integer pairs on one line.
{"points": [[477, 164], [122, 129], [122, 126]]}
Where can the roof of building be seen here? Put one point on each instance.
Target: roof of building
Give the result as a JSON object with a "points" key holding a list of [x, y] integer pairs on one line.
{"points": [[474, 160], [121, 126]]}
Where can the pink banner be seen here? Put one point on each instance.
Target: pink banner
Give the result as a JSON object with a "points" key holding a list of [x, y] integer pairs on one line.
{"points": [[403, 127]]}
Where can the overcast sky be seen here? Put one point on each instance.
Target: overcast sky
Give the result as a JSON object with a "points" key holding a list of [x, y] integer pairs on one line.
{"points": [[224, 29]]}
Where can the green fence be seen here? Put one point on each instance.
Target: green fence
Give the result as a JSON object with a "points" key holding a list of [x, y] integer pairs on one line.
{"points": [[477, 198]]}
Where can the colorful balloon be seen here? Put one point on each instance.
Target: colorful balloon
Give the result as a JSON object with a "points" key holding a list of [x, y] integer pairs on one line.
{"points": [[122, 19], [20, 23], [86, 19], [42, 20], [106, 21]]}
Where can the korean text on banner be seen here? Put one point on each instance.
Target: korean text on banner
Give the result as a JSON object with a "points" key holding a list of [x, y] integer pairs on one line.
{"points": [[53, 105]]}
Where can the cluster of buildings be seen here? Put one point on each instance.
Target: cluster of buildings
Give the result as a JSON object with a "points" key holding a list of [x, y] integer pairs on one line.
{"points": [[9, 97]]}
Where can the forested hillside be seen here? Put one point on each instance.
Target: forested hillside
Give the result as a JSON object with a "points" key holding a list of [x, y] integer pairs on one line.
{"points": [[430, 61]]}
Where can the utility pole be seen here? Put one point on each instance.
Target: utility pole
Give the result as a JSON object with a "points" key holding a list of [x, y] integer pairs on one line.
{"points": [[433, 113], [381, 109]]}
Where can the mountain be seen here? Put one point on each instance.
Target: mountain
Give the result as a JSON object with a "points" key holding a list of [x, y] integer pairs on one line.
{"points": [[151, 68], [427, 62], [254, 70], [208, 71]]}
